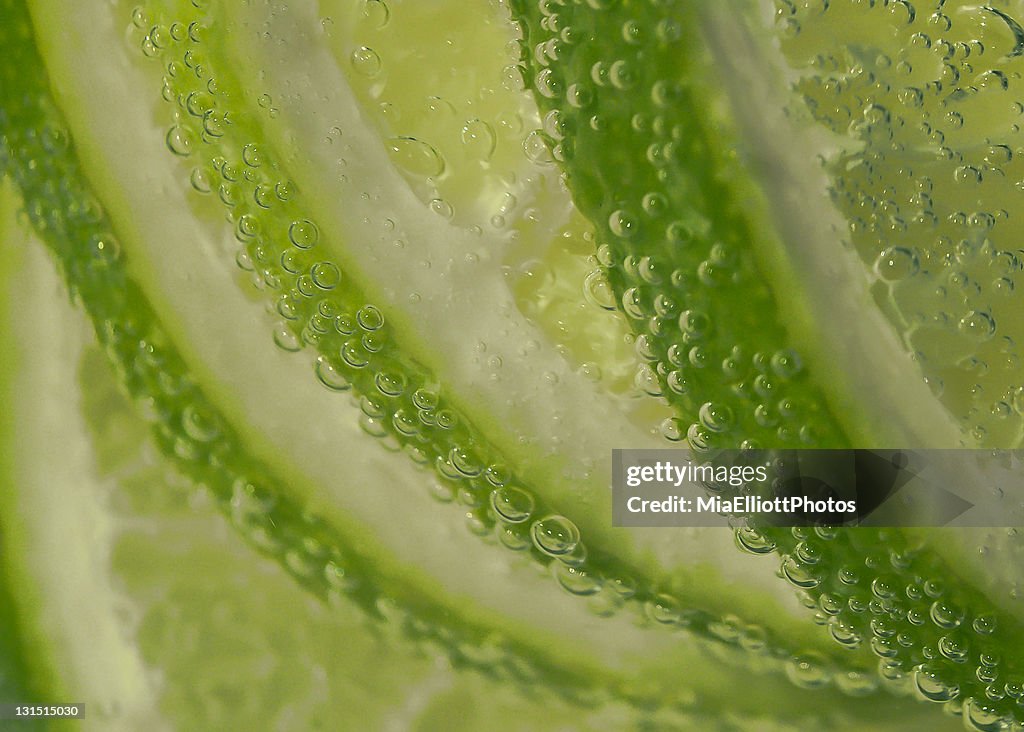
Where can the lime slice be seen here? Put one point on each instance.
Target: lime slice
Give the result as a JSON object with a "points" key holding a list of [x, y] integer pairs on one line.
{"points": [[416, 256]]}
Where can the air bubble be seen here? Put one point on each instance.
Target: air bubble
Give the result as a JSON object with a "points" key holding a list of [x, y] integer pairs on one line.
{"points": [[945, 616], [977, 325], [575, 580], [750, 540], [390, 384], [328, 375], [663, 609], [981, 718], [252, 155], [807, 671], [326, 275], [896, 263], [555, 535], [512, 505], [199, 425], [694, 325], [415, 157], [538, 148], [673, 429], [622, 75], [365, 61], [931, 686], [579, 96], [954, 648], [303, 234], [967, 174], [786, 363], [442, 208], [201, 180], [376, 13], [353, 355], [598, 291], [180, 141], [716, 417], [479, 139], [369, 318], [286, 340]]}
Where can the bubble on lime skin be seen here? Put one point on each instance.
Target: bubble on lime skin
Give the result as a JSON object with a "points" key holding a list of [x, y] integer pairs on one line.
{"points": [[512, 504], [575, 580], [286, 340], [442, 208], [598, 291], [663, 609], [538, 148], [945, 616], [201, 179], [199, 424], [390, 383], [979, 326], [365, 61], [180, 140], [750, 540], [330, 376], [622, 224], [896, 263], [512, 537], [980, 716], [375, 12], [303, 234], [930, 685], [252, 155], [479, 138], [808, 671], [555, 535], [326, 275], [716, 417], [353, 354], [415, 157], [369, 318]]}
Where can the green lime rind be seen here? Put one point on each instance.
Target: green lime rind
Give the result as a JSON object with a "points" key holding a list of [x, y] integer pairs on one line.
{"points": [[673, 233], [675, 242], [203, 446]]}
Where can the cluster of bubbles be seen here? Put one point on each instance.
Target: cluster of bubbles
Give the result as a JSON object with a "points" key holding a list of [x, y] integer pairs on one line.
{"points": [[931, 105], [673, 239], [457, 138], [883, 593], [399, 402]]}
